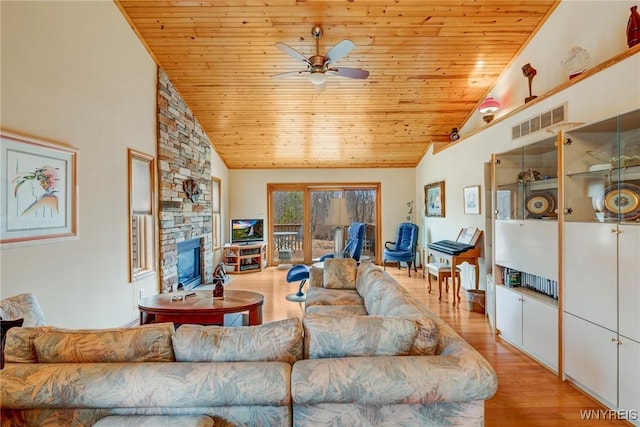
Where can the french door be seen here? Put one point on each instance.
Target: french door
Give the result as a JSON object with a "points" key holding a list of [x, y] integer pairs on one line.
{"points": [[303, 223]]}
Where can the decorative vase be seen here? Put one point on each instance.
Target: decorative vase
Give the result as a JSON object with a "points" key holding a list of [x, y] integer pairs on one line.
{"points": [[633, 27]]}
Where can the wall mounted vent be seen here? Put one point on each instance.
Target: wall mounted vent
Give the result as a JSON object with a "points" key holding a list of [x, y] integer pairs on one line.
{"points": [[540, 122]]}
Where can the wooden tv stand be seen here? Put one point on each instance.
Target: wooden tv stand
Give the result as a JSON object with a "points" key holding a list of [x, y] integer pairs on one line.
{"points": [[245, 258]]}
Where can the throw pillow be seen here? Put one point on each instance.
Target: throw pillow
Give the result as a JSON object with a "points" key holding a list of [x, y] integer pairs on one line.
{"points": [[340, 273], [5, 325], [274, 341], [343, 336], [147, 343], [23, 306], [19, 344], [386, 297]]}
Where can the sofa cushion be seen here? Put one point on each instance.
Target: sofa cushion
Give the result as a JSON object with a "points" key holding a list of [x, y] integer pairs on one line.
{"points": [[386, 297], [23, 306], [274, 341], [343, 336], [147, 343], [324, 296], [345, 310], [155, 421], [19, 345], [369, 274], [340, 273]]}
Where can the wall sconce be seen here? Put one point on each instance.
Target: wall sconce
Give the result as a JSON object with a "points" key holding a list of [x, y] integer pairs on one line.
{"points": [[409, 210], [488, 107]]}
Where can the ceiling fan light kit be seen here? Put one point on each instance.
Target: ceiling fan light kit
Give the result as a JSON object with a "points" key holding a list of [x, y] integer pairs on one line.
{"points": [[318, 66]]}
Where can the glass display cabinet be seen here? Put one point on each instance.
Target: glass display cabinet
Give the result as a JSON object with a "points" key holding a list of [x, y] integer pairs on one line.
{"points": [[602, 171], [601, 253], [527, 182], [525, 271]]}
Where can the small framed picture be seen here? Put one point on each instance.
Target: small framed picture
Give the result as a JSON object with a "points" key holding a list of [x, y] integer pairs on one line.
{"points": [[39, 190], [472, 200], [434, 199]]}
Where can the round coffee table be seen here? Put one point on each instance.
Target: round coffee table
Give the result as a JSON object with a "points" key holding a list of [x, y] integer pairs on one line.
{"points": [[200, 308]]}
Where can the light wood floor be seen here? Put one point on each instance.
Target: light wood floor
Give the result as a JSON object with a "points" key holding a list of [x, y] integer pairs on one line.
{"points": [[528, 394]]}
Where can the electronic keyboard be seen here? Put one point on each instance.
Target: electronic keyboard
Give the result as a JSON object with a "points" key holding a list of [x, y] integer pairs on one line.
{"points": [[449, 247]]}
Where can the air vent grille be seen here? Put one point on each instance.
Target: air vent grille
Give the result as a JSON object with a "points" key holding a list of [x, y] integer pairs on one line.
{"points": [[540, 122]]}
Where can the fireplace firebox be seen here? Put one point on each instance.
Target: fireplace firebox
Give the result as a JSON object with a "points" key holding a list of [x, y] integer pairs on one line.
{"points": [[189, 275]]}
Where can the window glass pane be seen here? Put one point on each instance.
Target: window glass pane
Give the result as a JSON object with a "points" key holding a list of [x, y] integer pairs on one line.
{"points": [[141, 186], [215, 195]]}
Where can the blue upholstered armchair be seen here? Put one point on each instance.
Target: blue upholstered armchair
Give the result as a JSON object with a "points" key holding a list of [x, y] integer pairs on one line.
{"points": [[404, 248], [353, 249]]}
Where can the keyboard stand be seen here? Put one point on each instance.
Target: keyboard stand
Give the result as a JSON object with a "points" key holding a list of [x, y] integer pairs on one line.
{"points": [[471, 256]]}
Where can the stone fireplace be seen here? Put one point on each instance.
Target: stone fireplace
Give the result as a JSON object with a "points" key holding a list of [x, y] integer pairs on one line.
{"points": [[184, 155]]}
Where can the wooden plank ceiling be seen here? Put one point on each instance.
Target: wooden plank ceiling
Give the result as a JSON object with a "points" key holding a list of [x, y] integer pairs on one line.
{"points": [[430, 62]]}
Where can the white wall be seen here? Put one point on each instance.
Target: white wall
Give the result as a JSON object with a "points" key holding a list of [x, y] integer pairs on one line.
{"points": [[599, 26], [75, 72], [248, 190], [605, 94]]}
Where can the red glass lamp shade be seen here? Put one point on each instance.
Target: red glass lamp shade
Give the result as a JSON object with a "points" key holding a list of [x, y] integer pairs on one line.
{"points": [[488, 107]]}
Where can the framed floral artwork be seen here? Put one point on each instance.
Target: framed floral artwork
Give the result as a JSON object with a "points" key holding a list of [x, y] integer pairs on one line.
{"points": [[39, 190], [434, 199], [471, 197]]}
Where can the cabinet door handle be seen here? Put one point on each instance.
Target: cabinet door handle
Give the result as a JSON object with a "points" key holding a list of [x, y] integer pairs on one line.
{"points": [[567, 211], [614, 230], [615, 340]]}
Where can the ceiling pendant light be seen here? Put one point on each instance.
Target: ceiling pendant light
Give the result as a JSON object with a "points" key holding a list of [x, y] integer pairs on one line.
{"points": [[488, 108]]}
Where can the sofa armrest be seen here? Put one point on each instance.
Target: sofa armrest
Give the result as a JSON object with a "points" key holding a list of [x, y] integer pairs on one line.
{"points": [[142, 385], [389, 380]]}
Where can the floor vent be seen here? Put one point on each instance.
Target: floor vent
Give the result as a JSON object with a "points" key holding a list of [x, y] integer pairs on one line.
{"points": [[540, 122]]}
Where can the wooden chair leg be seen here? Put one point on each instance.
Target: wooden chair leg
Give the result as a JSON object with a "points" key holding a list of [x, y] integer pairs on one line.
{"points": [[439, 287], [408, 267], [429, 280]]}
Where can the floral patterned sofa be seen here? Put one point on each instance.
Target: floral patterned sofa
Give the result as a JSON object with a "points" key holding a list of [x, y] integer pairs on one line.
{"points": [[192, 376], [376, 356], [366, 353]]}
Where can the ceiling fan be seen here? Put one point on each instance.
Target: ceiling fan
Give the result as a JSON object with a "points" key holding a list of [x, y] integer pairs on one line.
{"points": [[318, 66]]}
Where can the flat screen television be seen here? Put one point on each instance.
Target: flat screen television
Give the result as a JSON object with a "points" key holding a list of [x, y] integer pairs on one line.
{"points": [[245, 231]]}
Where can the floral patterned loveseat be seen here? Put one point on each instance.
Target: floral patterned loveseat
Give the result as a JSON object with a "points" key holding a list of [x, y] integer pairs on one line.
{"points": [[376, 356]]}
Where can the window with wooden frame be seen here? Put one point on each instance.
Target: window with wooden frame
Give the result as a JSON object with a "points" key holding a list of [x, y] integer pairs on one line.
{"points": [[142, 224], [216, 237]]}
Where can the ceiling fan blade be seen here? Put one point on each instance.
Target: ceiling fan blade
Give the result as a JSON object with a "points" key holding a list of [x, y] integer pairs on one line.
{"points": [[353, 73], [338, 51], [292, 52], [289, 74]]}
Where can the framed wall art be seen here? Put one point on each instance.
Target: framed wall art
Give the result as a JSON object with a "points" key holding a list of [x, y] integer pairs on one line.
{"points": [[434, 199], [471, 197], [38, 190]]}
